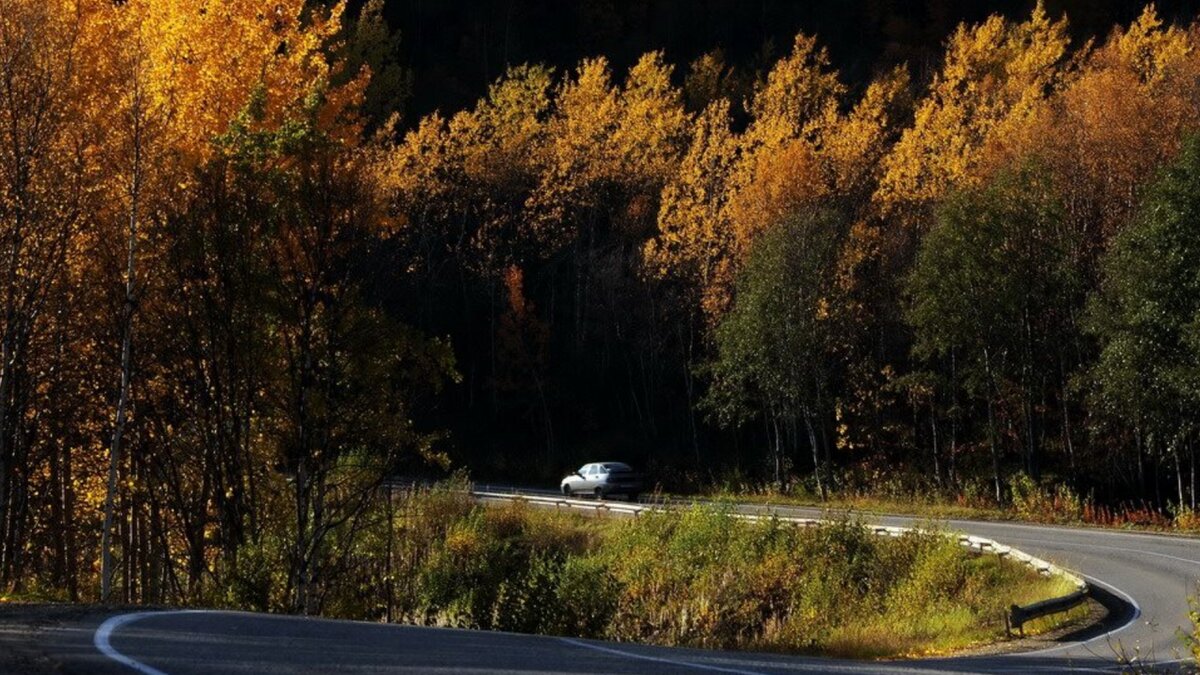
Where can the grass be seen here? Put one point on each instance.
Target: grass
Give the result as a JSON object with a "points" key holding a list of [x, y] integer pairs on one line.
{"points": [[1028, 501], [928, 508], [27, 597], [703, 578]]}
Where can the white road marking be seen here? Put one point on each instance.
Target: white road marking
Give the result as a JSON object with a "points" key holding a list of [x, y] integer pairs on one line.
{"points": [[1137, 612], [1104, 547], [102, 639], [656, 659]]}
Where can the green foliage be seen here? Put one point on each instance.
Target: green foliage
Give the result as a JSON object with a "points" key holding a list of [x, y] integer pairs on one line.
{"points": [[251, 580], [1035, 502], [1191, 639], [702, 578], [587, 597], [1146, 314], [994, 291], [372, 46], [499, 568], [773, 345], [938, 573], [993, 272]]}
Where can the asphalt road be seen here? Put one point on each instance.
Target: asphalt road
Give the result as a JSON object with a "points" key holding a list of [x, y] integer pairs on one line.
{"points": [[1144, 579]]}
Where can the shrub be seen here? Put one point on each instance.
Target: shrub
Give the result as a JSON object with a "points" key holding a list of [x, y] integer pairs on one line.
{"points": [[1191, 640], [700, 578], [1038, 503], [1187, 520], [586, 598]]}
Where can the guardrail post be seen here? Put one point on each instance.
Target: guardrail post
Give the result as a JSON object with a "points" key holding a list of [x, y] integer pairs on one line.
{"points": [[1017, 619]]}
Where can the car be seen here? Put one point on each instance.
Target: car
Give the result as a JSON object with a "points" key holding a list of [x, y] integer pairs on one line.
{"points": [[603, 479]]}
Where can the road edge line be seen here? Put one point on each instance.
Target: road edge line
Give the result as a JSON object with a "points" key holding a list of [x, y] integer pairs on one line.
{"points": [[656, 659], [1137, 614], [102, 641]]}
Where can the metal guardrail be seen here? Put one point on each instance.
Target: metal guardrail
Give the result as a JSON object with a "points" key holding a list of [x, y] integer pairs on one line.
{"points": [[1017, 617]]}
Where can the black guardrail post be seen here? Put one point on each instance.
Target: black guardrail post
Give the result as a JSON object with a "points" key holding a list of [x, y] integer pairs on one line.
{"points": [[1018, 615]]}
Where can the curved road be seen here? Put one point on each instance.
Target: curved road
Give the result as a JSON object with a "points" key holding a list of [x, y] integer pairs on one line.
{"points": [[1144, 579]]}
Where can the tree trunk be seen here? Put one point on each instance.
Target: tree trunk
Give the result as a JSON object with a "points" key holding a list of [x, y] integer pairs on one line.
{"points": [[1031, 460], [388, 574], [137, 120], [690, 387], [1066, 415], [991, 422], [114, 448], [1178, 474], [933, 430], [1141, 471], [953, 468], [816, 454], [304, 481], [1192, 456]]}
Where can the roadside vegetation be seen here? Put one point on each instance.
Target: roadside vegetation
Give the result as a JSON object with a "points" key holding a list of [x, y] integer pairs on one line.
{"points": [[1191, 639], [699, 578], [1026, 500]]}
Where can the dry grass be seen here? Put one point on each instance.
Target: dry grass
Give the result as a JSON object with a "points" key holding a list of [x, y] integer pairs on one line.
{"points": [[1029, 503], [703, 578]]}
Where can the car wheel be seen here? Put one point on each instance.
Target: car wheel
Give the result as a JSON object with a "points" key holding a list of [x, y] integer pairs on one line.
{"points": [[566, 490], [599, 493]]}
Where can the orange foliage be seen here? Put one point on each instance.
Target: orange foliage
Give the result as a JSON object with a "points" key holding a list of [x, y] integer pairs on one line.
{"points": [[1121, 116]]}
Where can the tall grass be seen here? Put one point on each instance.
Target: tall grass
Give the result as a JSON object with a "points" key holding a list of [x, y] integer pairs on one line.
{"points": [[700, 578], [1028, 500], [1191, 637]]}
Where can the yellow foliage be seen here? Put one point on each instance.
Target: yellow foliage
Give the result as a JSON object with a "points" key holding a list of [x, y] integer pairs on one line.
{"points": [[1150, 50], [799, 151], [994, 78], [693, 236], [795, 98], [605, 141], [652, 124], [1121, 115], [200, 63]]}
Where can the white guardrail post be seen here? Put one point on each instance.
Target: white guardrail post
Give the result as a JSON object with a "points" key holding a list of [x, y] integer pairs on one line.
{"points": [[1016, 618]]}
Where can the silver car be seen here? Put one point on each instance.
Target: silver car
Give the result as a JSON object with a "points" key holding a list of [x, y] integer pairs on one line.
{"points": [[603, 479]]}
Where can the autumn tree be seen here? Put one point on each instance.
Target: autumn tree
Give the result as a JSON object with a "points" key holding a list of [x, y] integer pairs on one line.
{"points": [[799, 151], [694, 240], [993, 288], [215, 476], [458, 190], [710, 78], [229, 52], [45, 185], [1145, 317], [774, 357], [459, 187], [343, 375], [1119, 117], [994, 77]]}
